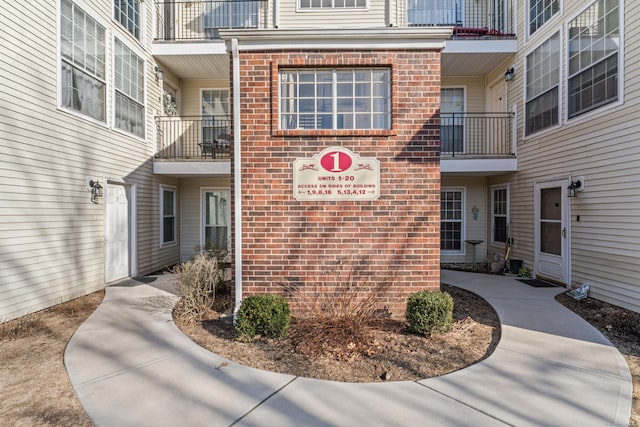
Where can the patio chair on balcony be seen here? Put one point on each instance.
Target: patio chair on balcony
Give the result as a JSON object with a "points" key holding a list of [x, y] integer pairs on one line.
{"points": [[207, 149], [222, 144]]}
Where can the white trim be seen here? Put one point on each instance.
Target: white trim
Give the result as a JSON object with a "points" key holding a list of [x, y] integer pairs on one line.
{"points": [[463, 221], [237, 166], [332, 9], [172, 189], [506, 186]]}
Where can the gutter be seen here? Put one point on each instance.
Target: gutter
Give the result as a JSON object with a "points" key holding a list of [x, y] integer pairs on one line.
{"points": [[237, 173]]}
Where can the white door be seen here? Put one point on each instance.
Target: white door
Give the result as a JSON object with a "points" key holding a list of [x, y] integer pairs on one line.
{"points": [[552, 234], [117, 232]]}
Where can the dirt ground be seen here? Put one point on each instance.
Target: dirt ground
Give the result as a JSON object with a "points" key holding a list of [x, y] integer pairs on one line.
{"points": [[35, 389]]}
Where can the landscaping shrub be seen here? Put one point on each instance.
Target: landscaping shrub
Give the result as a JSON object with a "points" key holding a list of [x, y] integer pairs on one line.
{"points": [[429, 312], [198, 280], [264, 315]]}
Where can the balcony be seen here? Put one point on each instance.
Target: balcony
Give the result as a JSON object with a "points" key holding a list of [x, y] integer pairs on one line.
{"points": [[193, 145], [202, 20], [469, 19], [477, 142]]}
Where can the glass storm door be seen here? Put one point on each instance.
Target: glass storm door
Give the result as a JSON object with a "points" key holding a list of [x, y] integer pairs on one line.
{"points": [[552, 235]]}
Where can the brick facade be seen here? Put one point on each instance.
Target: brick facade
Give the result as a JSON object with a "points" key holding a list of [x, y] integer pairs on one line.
{"points": [[295, 245]]}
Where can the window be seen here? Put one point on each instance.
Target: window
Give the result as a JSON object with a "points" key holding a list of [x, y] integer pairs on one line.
{"points": [[543, 78], [167, 215], [499, 213], [229, 14], [215, 219], [215, 114], [129, 90], [541, 11], [332, 4], [451, 208], [82, 65], [434, 12], [451, 124], [594, 41], [357, 98], [127, 13]]}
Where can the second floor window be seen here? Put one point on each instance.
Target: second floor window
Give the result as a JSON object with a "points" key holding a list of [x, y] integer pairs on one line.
{"points": [[82, 65], [339, 98], [129, 90], [594, 42], [540, 11], [127, 13], [542, 81], [332, 4]]}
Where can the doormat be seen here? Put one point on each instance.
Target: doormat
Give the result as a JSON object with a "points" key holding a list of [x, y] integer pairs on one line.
{"points": [[537, 283]]}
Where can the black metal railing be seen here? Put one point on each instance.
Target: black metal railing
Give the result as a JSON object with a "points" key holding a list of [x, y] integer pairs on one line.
{"points": [[470, 19], [477, 134], [190, 138], [201, 20]]}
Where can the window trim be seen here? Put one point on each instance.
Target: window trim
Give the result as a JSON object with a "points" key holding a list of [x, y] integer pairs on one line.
{"points": [[527, 22], [332, 9], [107, 82], [463, 220], [141, 24], [621, 69], [203, 192], [144, 89], [170, 189], [560, 87], [334, 98], [495, 188]]}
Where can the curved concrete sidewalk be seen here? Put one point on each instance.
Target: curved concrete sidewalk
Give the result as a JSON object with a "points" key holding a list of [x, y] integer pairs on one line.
{"points": [[131, 366]]}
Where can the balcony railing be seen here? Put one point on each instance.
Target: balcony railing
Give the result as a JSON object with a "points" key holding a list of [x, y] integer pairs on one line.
{"points": [[477, 134], [201, 20], [193, 138], [470, 19]]}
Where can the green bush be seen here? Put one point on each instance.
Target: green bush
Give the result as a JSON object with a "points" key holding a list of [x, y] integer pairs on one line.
{"points": [[429, 312], [264, 315]]}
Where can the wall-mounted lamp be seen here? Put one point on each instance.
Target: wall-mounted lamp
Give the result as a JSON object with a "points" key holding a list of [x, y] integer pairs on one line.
{"points": [[96, 190], [508, 76], [577, 185], [159, 74]]}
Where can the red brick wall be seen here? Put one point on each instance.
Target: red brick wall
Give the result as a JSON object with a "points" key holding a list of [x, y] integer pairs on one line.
{"points": [[295, 244]]}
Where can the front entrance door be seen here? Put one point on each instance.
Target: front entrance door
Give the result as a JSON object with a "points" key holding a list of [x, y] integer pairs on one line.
{"points": [[117, 232], [552, 234]]}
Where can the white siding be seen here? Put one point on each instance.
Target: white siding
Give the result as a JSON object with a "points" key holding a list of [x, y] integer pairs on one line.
{"points": [[474, 229], [52, 237], [604, 147]]}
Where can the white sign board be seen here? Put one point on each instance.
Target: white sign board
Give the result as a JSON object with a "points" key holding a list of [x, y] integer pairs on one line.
{"points": [[336, 174]]}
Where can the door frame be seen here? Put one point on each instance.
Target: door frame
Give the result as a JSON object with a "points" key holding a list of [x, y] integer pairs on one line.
{"points": [[565, 225], [131, 191]]}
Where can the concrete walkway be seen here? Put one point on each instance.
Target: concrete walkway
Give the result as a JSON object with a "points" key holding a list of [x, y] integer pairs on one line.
{"points": [[131, 366]]}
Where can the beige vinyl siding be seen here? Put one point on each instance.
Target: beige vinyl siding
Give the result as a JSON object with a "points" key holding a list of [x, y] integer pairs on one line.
{"points": [[191, 224], [52, 237], [604, 147], [375, 15], [475, 195], [191, 94], [474, 88]]}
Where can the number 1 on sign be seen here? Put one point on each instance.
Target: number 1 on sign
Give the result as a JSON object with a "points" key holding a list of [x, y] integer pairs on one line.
{"points": [[336, 162]]}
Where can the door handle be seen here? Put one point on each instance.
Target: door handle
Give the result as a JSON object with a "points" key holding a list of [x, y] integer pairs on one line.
{"points": [[564, 232]]}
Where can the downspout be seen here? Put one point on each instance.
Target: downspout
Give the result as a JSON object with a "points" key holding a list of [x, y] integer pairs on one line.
{"points": [[237, 176], [276, 13]]}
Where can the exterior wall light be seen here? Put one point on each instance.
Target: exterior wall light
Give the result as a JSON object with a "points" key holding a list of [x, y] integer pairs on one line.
{"points": [[508, 76], [575, 185], [159, 74], [96, 190]]}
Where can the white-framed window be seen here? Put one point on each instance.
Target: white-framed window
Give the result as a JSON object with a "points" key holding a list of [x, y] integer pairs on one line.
{"points": [[435, 12], [540, 12], [331, 4], [593, 57], [452, 220], [129, 110], [216, 219], [338, 98], [167, 215], [215, 113], [452, 105], [82, 62], [127, 13], [230, 14], [499, 213], [542, 86]]}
